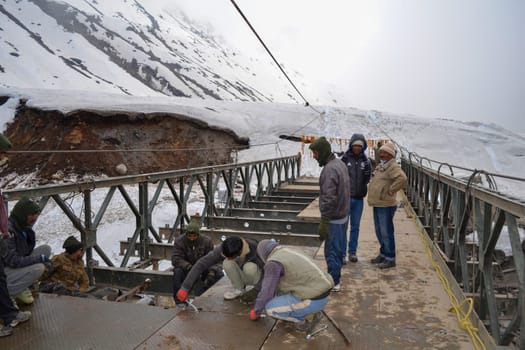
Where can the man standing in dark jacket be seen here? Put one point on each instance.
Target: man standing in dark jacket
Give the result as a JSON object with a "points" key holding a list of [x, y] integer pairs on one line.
{"points": [[334, 186], [359, 170], [24, 264], [187, 249]]}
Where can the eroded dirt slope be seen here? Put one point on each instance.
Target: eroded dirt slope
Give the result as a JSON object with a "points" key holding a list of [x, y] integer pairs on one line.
{"points": [[142, 142]]}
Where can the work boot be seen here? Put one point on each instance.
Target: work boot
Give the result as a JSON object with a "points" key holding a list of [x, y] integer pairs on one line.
{"points": [[21, 317], [25, 297], [353, 258], [5, 331], [386, 264], [377, 260], [345, 260]]}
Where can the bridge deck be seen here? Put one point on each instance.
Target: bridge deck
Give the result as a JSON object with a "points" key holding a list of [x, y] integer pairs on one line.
{"points": [[404, 307]]}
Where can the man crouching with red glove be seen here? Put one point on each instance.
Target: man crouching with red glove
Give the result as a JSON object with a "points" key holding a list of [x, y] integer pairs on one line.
{"points": [[293, 288]]}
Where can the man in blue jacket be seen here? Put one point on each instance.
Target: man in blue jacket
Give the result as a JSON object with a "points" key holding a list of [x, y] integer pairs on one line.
{"points": [[359, 170]]}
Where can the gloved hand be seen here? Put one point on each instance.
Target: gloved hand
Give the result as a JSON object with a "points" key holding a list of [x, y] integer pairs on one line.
{"points": [[249, 296], [182, 294], [324, 229], [253, 315], [49, 267]]}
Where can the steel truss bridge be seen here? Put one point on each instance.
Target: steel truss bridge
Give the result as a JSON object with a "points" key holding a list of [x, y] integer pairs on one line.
{"points": [[448, 208]]}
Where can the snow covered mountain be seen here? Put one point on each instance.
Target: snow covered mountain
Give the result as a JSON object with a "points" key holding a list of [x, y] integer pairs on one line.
{"points": [[135, 47]]}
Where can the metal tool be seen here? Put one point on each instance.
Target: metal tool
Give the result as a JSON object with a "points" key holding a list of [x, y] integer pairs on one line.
{"points": [[339, 329], [314, 332], [190, 304]]}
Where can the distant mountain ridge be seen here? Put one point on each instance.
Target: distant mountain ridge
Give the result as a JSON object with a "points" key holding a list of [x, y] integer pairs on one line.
{"points": [[134, 47]]}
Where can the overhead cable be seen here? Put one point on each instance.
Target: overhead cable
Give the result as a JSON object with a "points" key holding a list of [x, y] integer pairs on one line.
{"points": [[307, 104]]}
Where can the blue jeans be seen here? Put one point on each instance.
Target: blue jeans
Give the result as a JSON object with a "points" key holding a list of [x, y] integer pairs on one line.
{"points": [[356, 211], [289, 308], [384, 225], [334, 250]]}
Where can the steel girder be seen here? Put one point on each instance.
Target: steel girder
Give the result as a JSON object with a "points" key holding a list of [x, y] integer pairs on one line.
{"points": [[243, 182], [450, 209]]}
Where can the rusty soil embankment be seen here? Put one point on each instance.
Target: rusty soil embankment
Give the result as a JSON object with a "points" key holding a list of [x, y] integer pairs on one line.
{"points": [[144, 143]]}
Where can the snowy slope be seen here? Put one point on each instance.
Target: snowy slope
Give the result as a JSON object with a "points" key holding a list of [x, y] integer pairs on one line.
{"points": [[132, 47]]}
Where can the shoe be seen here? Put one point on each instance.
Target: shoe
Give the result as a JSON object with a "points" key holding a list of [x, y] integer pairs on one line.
{"points": [[25, 297], [5, 331], [345, 260], [386, 264], [336, 288], [353, 258], [233, 294], [377, 260], [21, 317], [309, 323]]}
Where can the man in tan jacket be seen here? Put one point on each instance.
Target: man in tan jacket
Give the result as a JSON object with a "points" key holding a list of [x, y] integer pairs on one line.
{"points": [[387, 180]]}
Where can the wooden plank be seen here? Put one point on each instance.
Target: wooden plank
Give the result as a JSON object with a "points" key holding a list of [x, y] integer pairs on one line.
{"points": [[311, 212]]}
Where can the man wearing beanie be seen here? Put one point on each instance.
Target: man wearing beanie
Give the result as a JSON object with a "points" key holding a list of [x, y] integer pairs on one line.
{"points": [[359, 170], [68, 275], [387, 180], [293, 288], [24, 263], [9, 314], [334, 185], [187, 249]]}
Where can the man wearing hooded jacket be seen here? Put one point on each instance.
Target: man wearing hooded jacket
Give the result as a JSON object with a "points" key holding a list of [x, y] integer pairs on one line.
{"points": [[334, 186], [9, 314], [24, 263], [359, 170]]}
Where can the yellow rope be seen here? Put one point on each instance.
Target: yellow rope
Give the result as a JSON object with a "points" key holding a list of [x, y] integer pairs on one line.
{"points": [[463, 318]]}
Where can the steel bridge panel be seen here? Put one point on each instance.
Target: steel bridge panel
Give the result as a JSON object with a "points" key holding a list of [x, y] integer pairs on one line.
{"points": [[263, 225], [65, 323]]}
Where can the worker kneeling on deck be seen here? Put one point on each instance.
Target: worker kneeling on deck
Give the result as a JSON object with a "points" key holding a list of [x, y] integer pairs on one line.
{"points": [[187, 250], [67, 275], [240, 263], [293, 288]]}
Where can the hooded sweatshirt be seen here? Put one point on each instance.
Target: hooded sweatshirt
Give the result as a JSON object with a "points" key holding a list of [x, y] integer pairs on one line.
{"points": [[359, 168]]}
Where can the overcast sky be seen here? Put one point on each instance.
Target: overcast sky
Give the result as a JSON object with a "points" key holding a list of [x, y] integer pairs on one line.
{"points": [[459, 59]]}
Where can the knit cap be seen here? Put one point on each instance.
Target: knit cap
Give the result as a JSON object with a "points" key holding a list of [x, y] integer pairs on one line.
{"points": [[322, 146], [22, 209], [388, 148], [71, 245], [194, 226]]}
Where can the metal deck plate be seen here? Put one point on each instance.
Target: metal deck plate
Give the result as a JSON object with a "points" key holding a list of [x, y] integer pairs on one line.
{"points": [[66, 323]]}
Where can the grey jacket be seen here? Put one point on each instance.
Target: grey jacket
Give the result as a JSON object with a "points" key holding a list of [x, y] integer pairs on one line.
{"points": [[334, 183]]}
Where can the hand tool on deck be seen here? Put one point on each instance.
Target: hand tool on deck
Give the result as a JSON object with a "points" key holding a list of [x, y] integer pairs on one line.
{"points": [[346, 338], [133, 291], [317, 331]]}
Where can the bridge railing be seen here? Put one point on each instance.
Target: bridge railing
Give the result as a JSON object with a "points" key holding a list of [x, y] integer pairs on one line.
{"points": [[226, 186], [465, 221]]}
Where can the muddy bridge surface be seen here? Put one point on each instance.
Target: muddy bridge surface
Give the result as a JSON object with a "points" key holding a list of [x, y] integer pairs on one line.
{"points": [[406, 307]]}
